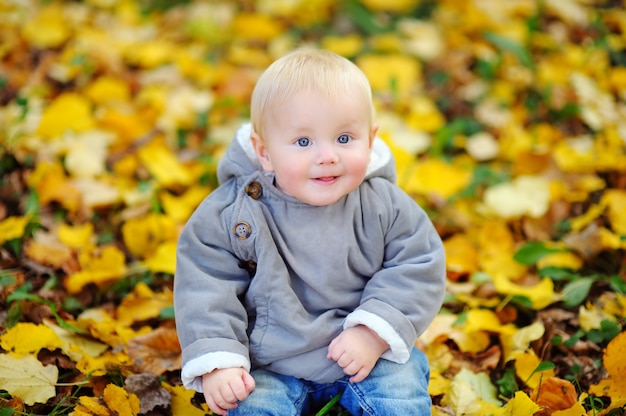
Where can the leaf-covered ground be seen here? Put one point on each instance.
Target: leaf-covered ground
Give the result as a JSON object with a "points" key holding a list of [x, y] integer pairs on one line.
{"points": [[508, 122]]}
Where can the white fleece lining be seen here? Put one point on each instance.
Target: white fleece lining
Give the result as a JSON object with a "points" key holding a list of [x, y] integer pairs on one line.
{"points": [[191, 374], [381, 154], [398, 352]]}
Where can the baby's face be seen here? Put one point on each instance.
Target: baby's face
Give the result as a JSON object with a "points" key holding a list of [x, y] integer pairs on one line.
{"points": [[318, 147]]}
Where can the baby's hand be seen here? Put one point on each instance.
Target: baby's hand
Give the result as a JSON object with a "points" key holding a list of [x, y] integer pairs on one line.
{"points": [[223, 388], [357, 350]]}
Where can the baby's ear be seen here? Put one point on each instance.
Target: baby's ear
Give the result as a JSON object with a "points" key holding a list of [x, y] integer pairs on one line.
{"points": [[261, 151], [373, 133]]}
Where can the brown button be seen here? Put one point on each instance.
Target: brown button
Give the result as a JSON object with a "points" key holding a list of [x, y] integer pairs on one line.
{"points": [[254, 190], [242, 230]]}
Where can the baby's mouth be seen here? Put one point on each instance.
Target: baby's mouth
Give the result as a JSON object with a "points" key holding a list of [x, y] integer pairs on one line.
{"points": [[326, 179]]}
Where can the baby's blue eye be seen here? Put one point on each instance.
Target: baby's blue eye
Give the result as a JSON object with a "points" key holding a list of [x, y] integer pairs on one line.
{"points": [[303, 142], [343, 139]]}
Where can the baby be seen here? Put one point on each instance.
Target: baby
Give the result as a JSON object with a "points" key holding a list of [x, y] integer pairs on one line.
{"points": [[308, 273]]}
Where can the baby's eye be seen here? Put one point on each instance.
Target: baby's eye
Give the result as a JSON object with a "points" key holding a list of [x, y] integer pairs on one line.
{"points": [[303, 142], [343, 139]]}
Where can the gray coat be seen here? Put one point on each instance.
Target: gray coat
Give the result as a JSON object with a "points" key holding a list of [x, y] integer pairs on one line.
{"points": [[265, 280]]}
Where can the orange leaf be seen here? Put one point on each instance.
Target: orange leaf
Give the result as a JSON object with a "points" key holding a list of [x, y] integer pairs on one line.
{"points": [[555, 394]]}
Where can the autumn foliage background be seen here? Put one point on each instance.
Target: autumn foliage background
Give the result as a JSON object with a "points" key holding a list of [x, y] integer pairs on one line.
{"points": [[508, 123]]}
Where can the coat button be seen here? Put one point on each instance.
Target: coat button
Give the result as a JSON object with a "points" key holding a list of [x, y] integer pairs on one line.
{"points": [[242, 230], [254, 190]]}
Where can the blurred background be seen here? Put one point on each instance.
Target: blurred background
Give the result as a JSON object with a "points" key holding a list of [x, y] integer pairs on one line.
{"points": [[507, 120]]}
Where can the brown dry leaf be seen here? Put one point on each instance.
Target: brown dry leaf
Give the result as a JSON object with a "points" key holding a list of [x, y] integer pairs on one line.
{"points": [[554, 394], [156, 352], [148, 389]]}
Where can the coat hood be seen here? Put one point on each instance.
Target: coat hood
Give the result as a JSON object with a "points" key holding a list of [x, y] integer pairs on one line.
{"points": [[240, 159]]}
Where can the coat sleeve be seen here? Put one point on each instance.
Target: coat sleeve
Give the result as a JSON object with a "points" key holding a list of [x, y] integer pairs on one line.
{"points": [[402, 299], [209, 284]]}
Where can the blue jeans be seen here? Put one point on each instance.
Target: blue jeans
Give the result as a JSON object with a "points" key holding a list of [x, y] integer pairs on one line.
{"points": [[390, 389]]}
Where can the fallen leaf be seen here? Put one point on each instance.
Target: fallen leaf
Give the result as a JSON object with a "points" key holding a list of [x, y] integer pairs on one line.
{"points": [[554, 394], [103, 266], [121, 401], [27, 338], [69, 112], [525, 195], [182, 401], [520, 405], [27, 378], [12, 227], [148, 389], [156, 352]]}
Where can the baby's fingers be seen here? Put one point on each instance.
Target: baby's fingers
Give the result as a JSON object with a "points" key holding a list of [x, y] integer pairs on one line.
{"points": [[360, 375]]}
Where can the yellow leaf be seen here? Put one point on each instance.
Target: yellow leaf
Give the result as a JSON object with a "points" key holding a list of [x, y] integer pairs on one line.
{"points": [[100, 268], [472, 342], [163, 259], [121, 401], [180, 208], [150, 54], [496, 247], [520, 340], [525, 195], [613, 358], [26, 338], [540, 295], [77, 346], [45, 250], [68, 112], [164, 165], [525, 364], [563, 259], [108, 89], [98, 193], [436, 177], [576, 410], [256, 26], [128, 127], [615, 200], [593, 212], [141, 304], [438, 384], [471, 394], [99, 366], [424, 115], [591, 317], [86, 156], [75, 236], [143, 235], [349, 45], [48, 28], [486, 320], [392, 6], [521, 405], [53, 185], [182, 401], [90, 406], [461, 254], [27, 378], [391, 72], [12, 227], [103, 327]]}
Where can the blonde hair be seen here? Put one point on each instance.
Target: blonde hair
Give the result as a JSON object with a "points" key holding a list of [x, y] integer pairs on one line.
{"points": [[307, 70]]}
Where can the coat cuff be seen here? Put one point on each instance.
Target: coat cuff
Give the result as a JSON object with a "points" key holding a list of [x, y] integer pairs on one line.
{"points": [[398, 351], [192, 372]]}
